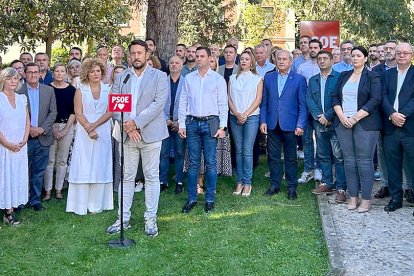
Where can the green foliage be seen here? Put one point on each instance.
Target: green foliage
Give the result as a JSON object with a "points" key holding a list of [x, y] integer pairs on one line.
{"points": [[70, 21], [204, 22], [60, 54], [244, 236]]}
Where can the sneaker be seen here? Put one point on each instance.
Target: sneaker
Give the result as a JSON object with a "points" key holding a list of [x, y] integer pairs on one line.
{"points": [[322, 189], [178, 188], [301, 155], [305, 177], [116, 227], [267, 174], [151, 228], [138, 187], [377, 175], [163, 187], [318, 174], [340, 196]]}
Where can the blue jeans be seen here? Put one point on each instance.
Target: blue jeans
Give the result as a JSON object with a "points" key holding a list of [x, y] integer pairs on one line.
{"points": [[38, 156], [244, 136], [309, 149], [328, 145], [199, 137], [178, 143], [276, 138]]}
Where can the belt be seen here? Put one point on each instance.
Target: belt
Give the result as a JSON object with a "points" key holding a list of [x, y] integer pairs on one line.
{"points": [[62, 121], [202, 118]]}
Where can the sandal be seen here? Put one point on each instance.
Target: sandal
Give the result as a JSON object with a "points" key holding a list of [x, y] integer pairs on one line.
{"points": [[59, 194], [46, 197], [10, 218]]}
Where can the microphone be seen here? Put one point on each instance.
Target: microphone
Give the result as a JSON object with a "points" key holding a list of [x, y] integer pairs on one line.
{"points": [[127, 78]]}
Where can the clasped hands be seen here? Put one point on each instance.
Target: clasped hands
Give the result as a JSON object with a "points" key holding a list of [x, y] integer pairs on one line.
{"points": [[241, 118], [59, 134], [398, 119], [348, 122], [36, 131], [323, 121], [90, 129], [15, 147], [132, 130]]}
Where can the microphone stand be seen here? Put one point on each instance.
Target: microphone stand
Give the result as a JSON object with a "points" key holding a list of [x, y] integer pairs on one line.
{"points": [[122, 242]]}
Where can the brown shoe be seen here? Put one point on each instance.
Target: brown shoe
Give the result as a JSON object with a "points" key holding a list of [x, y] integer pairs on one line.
{"points": [[59, 194], [340, 196], [46, 197], [322, 189], [382, 192]]}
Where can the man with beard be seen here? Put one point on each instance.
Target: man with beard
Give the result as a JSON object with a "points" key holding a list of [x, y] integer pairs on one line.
{"points": [[180, 51], [373, 56], [381, 52], [346, 63], [190, 64], [45, 77], [145, 128]]}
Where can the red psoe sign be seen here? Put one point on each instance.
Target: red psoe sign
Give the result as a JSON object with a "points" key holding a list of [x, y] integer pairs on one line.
{"points": [[326, 31], [120, 102]]}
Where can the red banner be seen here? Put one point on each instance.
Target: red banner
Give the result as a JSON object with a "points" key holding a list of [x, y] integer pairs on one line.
{"points": [[326, 31], [120, 102]]}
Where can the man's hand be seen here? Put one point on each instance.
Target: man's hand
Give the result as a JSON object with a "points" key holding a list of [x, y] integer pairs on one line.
{"points": [[322, 120], [129, 126], [36, 131], [134, 136], [174, 126], [263, 128], [398, 119], [298, 131], [182, 133], [169, 123], [221, 133]]}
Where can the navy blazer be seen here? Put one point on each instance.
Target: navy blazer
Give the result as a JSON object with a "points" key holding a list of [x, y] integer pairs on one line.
{"points": [[289, 110], [313, 96], [405, 100], [369, 97], [176, 101]]}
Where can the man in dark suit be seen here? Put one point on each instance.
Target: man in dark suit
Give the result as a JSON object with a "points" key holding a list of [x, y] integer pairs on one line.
{"points": [[398, 111], [42, 110], [283, 117]]}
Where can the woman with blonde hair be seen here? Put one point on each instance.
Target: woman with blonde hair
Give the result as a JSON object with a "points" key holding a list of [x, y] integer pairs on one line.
{"points": [[90, 175], [14, 133]]}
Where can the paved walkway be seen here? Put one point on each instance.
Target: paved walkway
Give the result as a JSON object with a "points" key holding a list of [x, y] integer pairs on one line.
{"points": [[373, 243]]}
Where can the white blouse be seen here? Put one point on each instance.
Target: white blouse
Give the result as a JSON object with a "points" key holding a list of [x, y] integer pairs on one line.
{"points": [[243, 91]]}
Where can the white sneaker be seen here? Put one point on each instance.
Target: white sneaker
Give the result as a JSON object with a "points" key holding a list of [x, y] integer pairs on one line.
{"points": [[318, 174], [267, 174], [305, 177], [116, 227], [151, 228], [138, 187]]}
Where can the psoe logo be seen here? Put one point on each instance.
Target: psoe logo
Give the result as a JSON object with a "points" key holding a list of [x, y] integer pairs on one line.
{"points": [[120, 102]]}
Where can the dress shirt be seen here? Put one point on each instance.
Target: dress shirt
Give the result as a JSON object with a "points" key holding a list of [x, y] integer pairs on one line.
{"points": [[266, 68], [309, 69], [203, 96], [342, 66], [34, 105], [135, 87], [281, 81], [298, 61], [400, 81]]}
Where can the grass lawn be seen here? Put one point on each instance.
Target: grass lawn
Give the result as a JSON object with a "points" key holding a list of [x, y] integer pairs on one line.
{"points": [[243, 236]]}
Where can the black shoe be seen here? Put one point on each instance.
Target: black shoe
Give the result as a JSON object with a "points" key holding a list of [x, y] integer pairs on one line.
{"points": [[272, 191], [393, 205], [410, 195], [292, 195], [383, 192], [38, 207], [188, 206], [209, 207], [178, 189], [163, 187]]}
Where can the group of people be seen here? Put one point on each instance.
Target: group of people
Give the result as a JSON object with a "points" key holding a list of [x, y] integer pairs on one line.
{"points": [[200, 107]]}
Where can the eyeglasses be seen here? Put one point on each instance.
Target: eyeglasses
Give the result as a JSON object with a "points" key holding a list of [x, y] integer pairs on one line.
{"points": [[32, 72], [403, 53]]}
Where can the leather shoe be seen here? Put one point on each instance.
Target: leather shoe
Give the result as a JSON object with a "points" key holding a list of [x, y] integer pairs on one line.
{"points": [[292, 195], [382, 192], [178, 189], [163, 187], [38, 207], [209, 207], [393, 205], [410, 195], [272, 191], [188, 206]]}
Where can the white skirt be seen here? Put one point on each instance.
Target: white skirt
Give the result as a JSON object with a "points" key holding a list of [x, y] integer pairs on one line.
{"points": [[94, 198]]}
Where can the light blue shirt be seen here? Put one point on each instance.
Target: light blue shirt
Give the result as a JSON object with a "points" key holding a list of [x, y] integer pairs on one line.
{"points": [[281, 81], [266, 68], [297, 62], [350, 98], [309, 69], [34, 105], [342, 66]]}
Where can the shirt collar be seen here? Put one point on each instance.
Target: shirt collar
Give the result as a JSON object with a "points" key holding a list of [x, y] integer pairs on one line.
{"points": [[209, 71], [402, 71], [145, 69], [288, 72], [33, 89]]}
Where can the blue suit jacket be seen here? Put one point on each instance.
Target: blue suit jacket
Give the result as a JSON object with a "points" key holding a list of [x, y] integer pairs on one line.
{"points": [[313, 96], [405, 100], [289, 110]]}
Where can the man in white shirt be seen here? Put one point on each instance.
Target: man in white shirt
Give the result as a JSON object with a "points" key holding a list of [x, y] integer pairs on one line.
{"points": [[202, 118]]}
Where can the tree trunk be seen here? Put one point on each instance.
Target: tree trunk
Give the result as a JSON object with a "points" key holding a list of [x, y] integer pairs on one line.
{"points": [[162, 25], [49, 43]]}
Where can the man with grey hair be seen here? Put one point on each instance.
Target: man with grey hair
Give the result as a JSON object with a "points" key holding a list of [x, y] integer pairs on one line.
{"points": [[346, 63], [283, 91], [262, 62], [45, 76], [103, 54]]}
